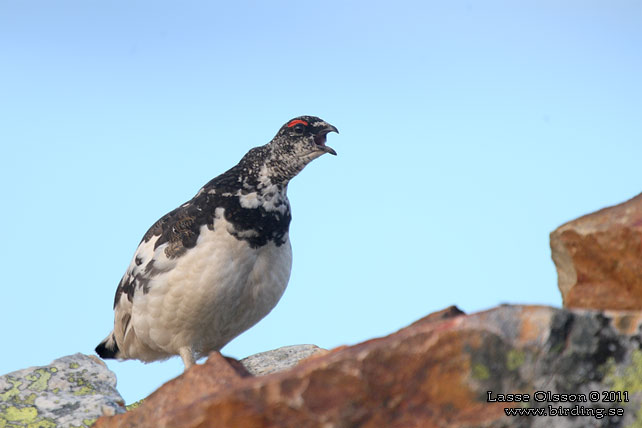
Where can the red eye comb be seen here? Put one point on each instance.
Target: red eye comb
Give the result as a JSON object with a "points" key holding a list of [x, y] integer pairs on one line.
{"points": [[296, 122]]}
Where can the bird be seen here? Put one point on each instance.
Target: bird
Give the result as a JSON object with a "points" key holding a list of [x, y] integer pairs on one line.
{"points": [[215, 266]]}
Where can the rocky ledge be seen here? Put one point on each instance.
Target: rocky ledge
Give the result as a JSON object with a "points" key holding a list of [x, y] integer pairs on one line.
{"points": [[599, 258], [447, 369], [510, 366]]}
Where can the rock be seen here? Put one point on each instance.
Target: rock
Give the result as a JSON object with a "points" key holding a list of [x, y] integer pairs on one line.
{"points": [[279, 359], [437, 372], [71, 391], [599, 258]]}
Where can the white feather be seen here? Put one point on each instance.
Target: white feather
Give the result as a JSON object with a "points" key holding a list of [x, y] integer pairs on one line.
{"points": [[204, 298]]}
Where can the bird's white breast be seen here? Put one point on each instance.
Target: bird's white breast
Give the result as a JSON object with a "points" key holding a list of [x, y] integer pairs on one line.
{"points": [[212, 293]]}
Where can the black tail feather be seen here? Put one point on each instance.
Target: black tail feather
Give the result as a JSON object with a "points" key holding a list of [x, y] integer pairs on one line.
{"points": [[108, 348]]}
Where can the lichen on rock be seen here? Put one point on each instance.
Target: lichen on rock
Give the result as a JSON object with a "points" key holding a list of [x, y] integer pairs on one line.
{"points": [[72, 391]]}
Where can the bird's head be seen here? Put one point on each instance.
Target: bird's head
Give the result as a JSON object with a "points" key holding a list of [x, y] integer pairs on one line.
{"points": [[300, 141]]}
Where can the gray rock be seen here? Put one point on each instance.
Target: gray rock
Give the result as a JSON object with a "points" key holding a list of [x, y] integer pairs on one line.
{"points": [[71, 391], [581, 368], [279, 359]]}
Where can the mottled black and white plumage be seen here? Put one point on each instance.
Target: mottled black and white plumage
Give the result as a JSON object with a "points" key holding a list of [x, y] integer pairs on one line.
{"points": [[213, 267]]}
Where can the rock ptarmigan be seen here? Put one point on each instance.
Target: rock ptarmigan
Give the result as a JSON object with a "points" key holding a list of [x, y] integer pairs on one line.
{"points": [[213, 267]]}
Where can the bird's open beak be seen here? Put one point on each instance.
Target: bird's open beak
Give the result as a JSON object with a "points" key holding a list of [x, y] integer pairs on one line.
{"points": [[321, 138]]}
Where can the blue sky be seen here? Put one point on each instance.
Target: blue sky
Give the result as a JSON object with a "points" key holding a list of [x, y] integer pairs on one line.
{"points": [[469, 131]]}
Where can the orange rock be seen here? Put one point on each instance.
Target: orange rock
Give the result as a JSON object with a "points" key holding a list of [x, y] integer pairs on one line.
{"points": [[599, 258], [434, 373]]}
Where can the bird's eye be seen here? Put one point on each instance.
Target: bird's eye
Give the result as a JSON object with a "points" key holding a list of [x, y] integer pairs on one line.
{"points": [[298, 126]]}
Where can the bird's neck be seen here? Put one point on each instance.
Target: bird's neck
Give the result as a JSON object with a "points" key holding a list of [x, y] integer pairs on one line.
{"points": [[268, 167], [254, 181]]}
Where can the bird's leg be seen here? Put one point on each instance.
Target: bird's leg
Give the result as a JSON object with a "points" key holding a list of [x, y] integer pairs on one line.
{"points": [[188, 356]]}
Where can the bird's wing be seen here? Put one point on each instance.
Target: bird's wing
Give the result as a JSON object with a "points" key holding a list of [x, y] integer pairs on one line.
{"points": [[157, 252]]}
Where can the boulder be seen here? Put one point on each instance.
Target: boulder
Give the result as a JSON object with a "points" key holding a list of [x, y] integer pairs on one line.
{"points": [[599, 258], [448, 369], [279, 359], [71, 391]]}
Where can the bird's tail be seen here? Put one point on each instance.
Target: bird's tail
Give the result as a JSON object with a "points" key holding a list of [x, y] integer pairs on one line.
{"points": [[108, 348]]}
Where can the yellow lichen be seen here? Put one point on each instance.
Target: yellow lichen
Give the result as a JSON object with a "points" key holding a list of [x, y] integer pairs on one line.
{"points": [[514, 359], [134, 405], [13, 392], [22, 415], [480, 371], [85, 387], [85, 390], [42, 423], [29, 399], [629, 379], [40, 380]]}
